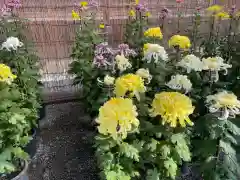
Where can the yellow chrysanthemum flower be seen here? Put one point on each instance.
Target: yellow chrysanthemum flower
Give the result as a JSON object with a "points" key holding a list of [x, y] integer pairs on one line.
{"points": [[83, 3], [183, 42], [132, 13], [172, 107], [148, 14], [145, 47], [154, 32], [129, 83], [214, 8], [75, 15], [117, 117], [222, 15], [6, 74], [136, 2], [224, 102], [101, 26]]}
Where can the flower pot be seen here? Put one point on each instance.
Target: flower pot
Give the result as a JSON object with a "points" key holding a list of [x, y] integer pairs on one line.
{"points": [[23, 174], [20, 175], [31, 147]]}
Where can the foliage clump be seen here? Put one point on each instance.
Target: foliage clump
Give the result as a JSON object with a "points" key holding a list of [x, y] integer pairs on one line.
{"points": [[19, 90], [161, 108]]}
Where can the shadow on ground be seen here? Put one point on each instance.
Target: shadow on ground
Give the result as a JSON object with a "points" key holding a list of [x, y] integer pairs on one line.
{"points": [[64, 150]]}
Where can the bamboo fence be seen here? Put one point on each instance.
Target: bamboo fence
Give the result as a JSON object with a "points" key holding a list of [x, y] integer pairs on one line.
{"points": [[53, 30]]}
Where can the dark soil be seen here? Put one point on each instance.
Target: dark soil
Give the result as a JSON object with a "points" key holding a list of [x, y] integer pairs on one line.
{"points": [[64, 149]]}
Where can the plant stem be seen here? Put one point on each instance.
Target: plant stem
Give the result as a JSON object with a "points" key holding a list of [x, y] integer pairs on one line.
{"points": [[178, 20], [140, 25], [194, 34], [218, 29], [211, 28], [162, 25], [178, 54], [217, 154], [229, 44]]}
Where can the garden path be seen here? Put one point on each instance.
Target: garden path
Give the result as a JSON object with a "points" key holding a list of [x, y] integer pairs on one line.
{"points": [[64, 150]]}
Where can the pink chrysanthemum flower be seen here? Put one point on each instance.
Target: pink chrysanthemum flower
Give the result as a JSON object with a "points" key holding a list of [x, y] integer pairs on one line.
{"points": [[124, 49], [14, 4]]}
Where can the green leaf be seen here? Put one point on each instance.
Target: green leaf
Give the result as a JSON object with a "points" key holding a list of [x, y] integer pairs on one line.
{"points": [[171, 168], [105, 145], [158, 135], [116, 173], [20, 153], [6, 154], [6, 167], [181, 146], [143, 109], [112, 175], [4, 93], [165, 151], [233, 128], [153, 174], [16, 118], [228, 137], [146, 125], [183, 151], [230, 161], [152, 145], [105, 160], [227, 148], [25, 140], [178, 138], [5, 104], [129, 151], [204, 148], [215, 128], [138, 145], [5, 161]]}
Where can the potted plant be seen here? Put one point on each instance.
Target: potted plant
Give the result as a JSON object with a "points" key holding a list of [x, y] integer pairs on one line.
{"points": [[22, 64], [16, 51], [14, 127]]}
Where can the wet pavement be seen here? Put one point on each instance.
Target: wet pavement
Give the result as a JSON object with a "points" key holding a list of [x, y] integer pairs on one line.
{"points": [[64, 148]]}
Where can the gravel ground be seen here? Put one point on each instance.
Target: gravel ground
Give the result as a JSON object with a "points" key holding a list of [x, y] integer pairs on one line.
{"points": [[64, 150]]}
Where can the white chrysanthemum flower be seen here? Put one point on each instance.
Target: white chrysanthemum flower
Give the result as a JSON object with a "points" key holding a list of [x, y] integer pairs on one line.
{"points": [[12, 43], [154, 51], [144, 73], [122, 63], [215, 64], [191, 62], [108, 80], [180, 82], [225, 103]]}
